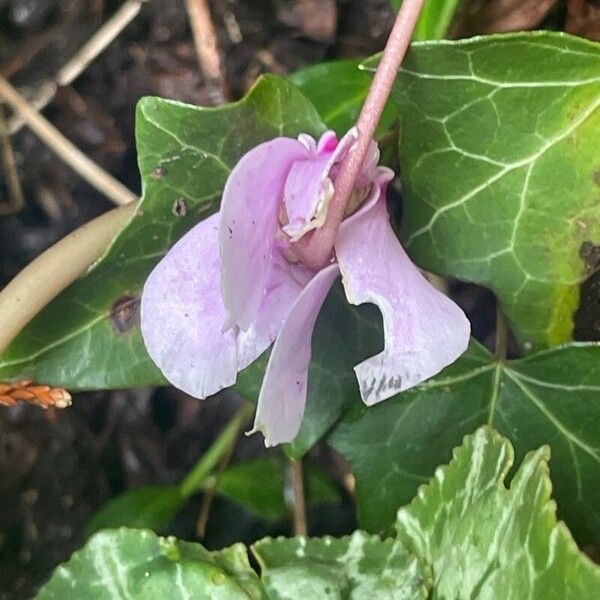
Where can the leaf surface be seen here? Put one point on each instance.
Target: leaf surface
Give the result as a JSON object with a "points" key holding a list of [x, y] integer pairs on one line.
{"points": [[501, 170], [552, 398]]}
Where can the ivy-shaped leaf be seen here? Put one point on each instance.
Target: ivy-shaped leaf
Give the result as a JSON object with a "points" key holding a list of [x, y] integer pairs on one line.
{"points": [[338, 89], [463, 536], [552, 397], [137, 564], [483, 540], [501, 169], [89, 337], [357, 566]]}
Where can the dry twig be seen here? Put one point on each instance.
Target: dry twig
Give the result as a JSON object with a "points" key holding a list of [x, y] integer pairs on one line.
{"points": [[75, 158], [15, 200], [80, 61], [206, 43], [300, 526]]}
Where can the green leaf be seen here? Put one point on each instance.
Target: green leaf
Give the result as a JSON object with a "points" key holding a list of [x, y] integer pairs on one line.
{"points": [[483, 540], [338, 89], [89, 337], [259, 484], [500, 169], [464, 536], [138, 564], [552, 397], [148, 507], [357, 566], [435, 20]]}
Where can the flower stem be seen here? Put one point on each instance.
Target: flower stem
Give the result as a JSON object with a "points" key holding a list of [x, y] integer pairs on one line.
{"points": [[315, 248]]}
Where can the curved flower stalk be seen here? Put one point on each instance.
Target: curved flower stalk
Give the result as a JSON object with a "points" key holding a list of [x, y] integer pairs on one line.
{"points": [[236, 283]]}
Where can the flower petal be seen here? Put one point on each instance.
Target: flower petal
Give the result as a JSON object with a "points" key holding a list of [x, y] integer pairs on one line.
{"points": [[182, 315], [283, 392], [424, 330], [309, 188], [249, 220], [284, 284]]}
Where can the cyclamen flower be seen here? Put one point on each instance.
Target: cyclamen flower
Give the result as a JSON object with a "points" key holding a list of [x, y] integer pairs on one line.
{"points": [[234, 285]]}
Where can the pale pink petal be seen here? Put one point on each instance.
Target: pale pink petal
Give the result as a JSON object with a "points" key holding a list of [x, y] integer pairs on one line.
{"points": [[182, 315], [283, 393], [284, 284], [249, 220], [309, 188], [424, 331]]}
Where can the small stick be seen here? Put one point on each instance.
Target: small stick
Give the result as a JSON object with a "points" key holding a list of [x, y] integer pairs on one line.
{"points": [[99, 41], [51, 272], [7, 156], [501, 343], [83, 57], [298, 499], [69, 153], [314, 249], [206, 43]]}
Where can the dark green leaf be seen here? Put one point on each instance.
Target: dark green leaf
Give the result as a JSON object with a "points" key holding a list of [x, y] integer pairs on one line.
{"points": [[150, 507], [89, 336], [137, 564], [260, 485], [485, 541], [549, 398], [358, 566], [500, 169], [338, 90]]}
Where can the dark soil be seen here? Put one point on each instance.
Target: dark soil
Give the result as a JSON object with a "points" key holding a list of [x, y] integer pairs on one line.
{"points": [[57, 468]]}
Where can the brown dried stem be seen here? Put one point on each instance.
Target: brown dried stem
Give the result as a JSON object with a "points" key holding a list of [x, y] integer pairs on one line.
{"points": [[7, 157], [298, 499], [82, 58], [206, 43], [68, 152]]}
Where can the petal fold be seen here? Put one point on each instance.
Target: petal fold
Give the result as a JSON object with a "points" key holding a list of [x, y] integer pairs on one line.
{"points": [[283, 393], [248, 224], [424, 330], [182, 315]]}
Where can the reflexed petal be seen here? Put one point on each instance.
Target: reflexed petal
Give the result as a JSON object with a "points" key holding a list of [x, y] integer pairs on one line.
{"points": [[424, 330], [182, 315], [283, 393], [249, 220], [308, 188], [284, 284]]}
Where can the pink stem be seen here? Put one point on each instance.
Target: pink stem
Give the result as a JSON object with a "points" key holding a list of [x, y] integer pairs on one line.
{"points": [[315, 248]]}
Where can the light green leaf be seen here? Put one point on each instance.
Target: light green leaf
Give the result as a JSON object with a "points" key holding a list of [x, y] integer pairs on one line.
{"points": [[548, 398], [89, 337], [338, 90], [483, 540], [435, 19], [137, 564], [500, 162], [358, 566]]}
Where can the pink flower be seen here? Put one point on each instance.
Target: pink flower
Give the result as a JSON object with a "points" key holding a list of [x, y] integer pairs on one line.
{"points": [[234, 285]]}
